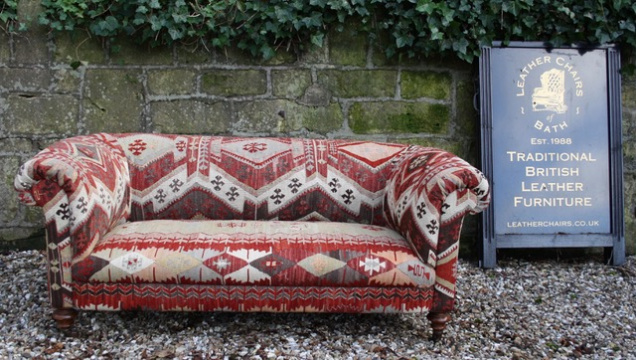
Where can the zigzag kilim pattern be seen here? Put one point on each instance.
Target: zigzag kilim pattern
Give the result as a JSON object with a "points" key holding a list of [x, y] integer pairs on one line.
{"points": [[175, 177], [176, 222]]}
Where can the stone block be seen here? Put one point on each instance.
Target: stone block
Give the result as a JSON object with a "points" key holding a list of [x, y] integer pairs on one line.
{"points": [[236, 56], [428, 84], [391, 117], [234, 82], [113, 100], [630, 212], [451, 145], [629, 123], [348, 47], [16, 145], [191, 117], [467, 119], [290, 83], [629, 95], [25, 79], [193, 55], [5, 48], [22, 239], [315, 55], [359, 83], [316, 95], [66, 80], [124, 51], [77, 46], [32, 46], [629, 154], [284, 116], [172, 82], [41, 115], [321, 120], [8, 168]]}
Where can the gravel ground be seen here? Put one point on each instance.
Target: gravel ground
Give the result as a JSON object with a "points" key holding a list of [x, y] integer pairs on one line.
{"points": [[520, 310]]}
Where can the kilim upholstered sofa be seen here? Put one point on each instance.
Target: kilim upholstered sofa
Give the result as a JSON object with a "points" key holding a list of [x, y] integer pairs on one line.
{"points": [[204, 223]]}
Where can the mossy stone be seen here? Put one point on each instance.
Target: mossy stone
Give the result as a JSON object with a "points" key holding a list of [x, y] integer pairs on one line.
{"points": [[113, 100], [392, 117], [171, 82], [20, 145], [25, 79], [444, 143], [359, 83], [124, 51], [67, 80], [234, 82], [41, 115], [290, 83], [428, 84], [234, 55], [284, 117], [193, 55], [8, 168], [5, 50], [348, 47], [191, 117], [22, 239], [466, 118], [629, 94], [77, 46], [630, 211]]}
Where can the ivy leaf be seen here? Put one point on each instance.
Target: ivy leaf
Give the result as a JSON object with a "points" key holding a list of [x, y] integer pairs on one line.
{"points": [[142, 9], [318, 39], [175, 34], [267, 52], [426, 7], [404, 40]]}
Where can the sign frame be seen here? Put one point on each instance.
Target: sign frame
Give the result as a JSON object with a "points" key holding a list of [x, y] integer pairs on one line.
{"points": [[611, 237]]}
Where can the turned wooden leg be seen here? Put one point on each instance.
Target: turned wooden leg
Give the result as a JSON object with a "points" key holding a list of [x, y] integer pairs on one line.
{"points": [[438, 323], [64, 318]]}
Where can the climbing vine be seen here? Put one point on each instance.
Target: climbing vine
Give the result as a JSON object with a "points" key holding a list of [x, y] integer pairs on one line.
{"points": [[9, 15], [406, 27]]}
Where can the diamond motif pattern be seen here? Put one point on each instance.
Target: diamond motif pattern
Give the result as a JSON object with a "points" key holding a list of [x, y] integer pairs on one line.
{"points": [[225, 264], [162, 182], [272, 264], [132, 262], [320, 264]]}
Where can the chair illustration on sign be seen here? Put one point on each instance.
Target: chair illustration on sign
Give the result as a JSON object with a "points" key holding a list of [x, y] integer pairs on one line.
{"points": [[550, 96]]}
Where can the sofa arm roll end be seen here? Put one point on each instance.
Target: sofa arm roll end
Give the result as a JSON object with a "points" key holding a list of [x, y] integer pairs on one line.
{"points": [[429, 188]]}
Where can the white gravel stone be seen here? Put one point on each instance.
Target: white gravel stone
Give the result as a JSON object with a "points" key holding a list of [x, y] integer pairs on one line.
{"points": [[520, 310]]}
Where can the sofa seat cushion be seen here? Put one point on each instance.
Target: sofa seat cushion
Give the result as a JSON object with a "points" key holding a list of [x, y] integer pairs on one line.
{"points": [[239, 252]]}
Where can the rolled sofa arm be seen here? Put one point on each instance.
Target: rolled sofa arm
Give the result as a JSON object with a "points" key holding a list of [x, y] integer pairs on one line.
{"points": [[83, 185], [427, 198]]}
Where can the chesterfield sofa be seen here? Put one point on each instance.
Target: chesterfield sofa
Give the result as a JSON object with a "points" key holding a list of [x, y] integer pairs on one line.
{"points": [[205, 223]]}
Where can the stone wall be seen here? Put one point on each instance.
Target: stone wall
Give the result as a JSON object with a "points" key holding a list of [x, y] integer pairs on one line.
{"points": [[55, 87]]}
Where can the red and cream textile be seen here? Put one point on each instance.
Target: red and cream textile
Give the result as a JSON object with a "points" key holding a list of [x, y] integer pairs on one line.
{"points": [[178, 222], [83, 186], [185, 177], [265, 253]]}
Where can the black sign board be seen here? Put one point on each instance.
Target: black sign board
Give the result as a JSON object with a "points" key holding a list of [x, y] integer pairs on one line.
{"points": [[551, 147]]}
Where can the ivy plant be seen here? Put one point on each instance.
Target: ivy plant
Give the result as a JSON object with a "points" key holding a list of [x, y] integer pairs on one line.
{"points": [[413, 27], [8, 15]]}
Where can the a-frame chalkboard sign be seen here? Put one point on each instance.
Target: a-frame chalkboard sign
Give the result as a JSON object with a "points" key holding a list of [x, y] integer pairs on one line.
{"points": [[551, 147]]}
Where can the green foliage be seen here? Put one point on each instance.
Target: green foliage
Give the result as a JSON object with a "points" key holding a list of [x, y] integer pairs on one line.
{"points": [[413, 27], [8, 15]]}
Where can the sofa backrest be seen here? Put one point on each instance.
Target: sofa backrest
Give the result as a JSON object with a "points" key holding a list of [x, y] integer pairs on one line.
{"points": [[191, 177]]}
